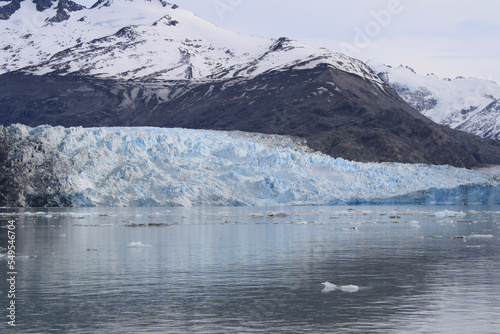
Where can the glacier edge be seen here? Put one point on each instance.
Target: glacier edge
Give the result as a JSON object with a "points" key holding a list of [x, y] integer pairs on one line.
{"points": [[57, 166]]}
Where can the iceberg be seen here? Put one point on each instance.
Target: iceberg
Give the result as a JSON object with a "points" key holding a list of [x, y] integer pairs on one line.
{"points": [[481, 236], [349, 288], [138, 244], [328, 287], [117, 166], [448, 214]]}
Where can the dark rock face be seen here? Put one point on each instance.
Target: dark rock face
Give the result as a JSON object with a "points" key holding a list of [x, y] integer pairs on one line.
{"points": [[485, 123], [421, 99], [63, 9], [32, 166], [6, 11], [42, 5], [338, 113]]}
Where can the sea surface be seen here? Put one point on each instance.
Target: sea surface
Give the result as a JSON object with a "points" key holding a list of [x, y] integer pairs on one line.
{"points": [[397, 269]]}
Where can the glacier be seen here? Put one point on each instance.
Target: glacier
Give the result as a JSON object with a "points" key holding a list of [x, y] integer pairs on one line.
{"points": [[118, 166]]}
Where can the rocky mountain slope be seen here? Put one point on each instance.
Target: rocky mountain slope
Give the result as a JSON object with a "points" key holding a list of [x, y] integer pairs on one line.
{"points": [[150, 63], [467, 104]]}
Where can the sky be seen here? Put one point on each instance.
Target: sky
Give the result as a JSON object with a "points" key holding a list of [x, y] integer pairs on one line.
{"points": [[449, 38]]}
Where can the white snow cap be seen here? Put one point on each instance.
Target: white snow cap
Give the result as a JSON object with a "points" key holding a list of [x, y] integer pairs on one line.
{"points": [[154, 39]]}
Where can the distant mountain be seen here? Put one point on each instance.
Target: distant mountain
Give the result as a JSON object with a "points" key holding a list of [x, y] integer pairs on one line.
{"points": [[467, 104], [485, 123], [150, 63]]}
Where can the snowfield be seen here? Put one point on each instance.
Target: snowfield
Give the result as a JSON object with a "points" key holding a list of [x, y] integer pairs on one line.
{"points": [[180, 167], [144, 39]]}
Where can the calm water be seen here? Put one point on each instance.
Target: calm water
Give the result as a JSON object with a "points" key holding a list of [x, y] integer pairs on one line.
{"points": [[243, 270]]}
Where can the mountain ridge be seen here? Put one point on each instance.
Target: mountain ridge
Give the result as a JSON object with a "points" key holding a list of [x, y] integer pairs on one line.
{"points": [[467, 104]]}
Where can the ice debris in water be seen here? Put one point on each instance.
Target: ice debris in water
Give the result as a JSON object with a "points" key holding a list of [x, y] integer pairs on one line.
{"points": [[481, 236], [138, 244], [273, 214], [349, 288], [328, 287], [332, 287], [448, 214]]}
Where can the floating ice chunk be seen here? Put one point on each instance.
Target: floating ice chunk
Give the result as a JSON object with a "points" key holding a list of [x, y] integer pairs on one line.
{"points": [[480, 236], [303, 222], [273, 214], [328, 287], [332, 287], [349, 288], [448, 214], [138, 244]]}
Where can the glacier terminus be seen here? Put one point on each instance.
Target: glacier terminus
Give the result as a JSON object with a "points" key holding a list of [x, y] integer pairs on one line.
{"points": [[146, 166]]}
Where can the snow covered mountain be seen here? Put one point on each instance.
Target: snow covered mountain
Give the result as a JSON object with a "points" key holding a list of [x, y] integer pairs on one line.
{"points": [[55, 166], [484, 123], [467, 104], [151, 63], [136, 39]]}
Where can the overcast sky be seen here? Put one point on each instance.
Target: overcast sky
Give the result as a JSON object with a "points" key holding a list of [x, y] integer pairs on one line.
{"points": [[445, 37]]}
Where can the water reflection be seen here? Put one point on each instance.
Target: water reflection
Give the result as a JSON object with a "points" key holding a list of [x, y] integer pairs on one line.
{"points": [[218, 270]]}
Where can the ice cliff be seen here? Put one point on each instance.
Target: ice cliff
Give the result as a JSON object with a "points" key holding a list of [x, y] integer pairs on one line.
{"points": [[57, 166]]}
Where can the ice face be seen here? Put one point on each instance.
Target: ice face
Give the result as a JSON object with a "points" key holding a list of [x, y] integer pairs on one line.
{"points": [[181, 167]]}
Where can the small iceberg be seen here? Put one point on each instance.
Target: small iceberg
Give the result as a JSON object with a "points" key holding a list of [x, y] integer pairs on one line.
{"points": [[300, 222], [274, 214], [449, 214], [328, 287], [480, 236], [138, 244], [349, 288]]}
